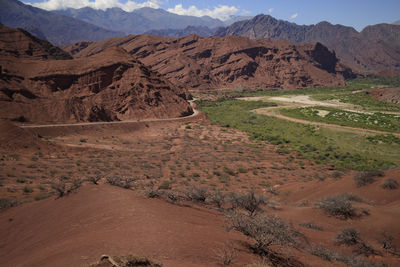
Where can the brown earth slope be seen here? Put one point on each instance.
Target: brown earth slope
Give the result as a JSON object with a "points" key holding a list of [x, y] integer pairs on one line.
{"points": [[201, 63], [109, 86], [78, 229]]}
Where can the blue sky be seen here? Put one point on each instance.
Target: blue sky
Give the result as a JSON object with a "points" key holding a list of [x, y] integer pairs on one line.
{"points": [[355, 13]]}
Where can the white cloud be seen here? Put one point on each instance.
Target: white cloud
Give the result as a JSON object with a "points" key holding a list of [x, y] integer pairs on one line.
{"points": [[294, 16], [221, 12], [271, 10], [96, 4]]}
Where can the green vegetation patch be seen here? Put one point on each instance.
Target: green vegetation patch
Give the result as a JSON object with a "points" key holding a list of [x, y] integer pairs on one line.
{"points": [[345, 150], [375, 121]]}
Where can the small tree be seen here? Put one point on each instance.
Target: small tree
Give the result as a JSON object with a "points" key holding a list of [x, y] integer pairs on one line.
{"points": [[266, 230], [249, 201]]}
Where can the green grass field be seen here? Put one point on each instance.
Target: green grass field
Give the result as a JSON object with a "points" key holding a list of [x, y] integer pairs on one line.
{"points": [[346, 150], [374, 121]]}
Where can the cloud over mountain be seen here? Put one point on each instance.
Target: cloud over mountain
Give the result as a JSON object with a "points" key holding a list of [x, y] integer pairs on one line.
{"points": [[96, 4]]}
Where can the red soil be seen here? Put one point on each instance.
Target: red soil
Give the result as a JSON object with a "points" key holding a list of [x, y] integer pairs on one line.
{"points": [[78, 229]]}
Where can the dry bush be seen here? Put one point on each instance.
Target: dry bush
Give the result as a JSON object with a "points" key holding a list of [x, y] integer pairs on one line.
{"points": [[227, 254], [388, 246], [311, 225], [217, 198], [94, 179], [125, 261], [120, 182], [351, 261], [62, 188], [367, 177], [153, 193], [390, 184], [323, 253], [351, 237], [248, 201], [196, 194], [348, 237], [339, 206], [266, 230]]}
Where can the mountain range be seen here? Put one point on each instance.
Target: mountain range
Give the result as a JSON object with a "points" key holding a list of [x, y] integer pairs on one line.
{"points": [[47, 25], [138, 21], [375, 49]]}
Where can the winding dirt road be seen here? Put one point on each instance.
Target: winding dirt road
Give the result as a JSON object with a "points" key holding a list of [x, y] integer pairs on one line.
{"points": [[195, 113]]}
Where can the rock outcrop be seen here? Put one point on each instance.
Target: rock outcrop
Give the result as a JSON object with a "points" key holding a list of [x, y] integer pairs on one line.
{"points": [[109, 86], [203, 63]]}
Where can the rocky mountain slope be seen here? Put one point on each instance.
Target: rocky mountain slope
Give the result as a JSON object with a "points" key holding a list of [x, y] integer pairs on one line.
{"points": [[109, 86], [47, 25], [375, 49], [203, 63], [202, 31], [138, 21]]}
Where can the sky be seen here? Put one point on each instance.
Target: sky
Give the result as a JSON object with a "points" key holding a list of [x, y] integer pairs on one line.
{"points": [[355, 13]]}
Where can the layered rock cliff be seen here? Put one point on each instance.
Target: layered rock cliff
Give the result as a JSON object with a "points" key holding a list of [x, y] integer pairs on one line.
{"points": [[203, 63], [108, 86]]}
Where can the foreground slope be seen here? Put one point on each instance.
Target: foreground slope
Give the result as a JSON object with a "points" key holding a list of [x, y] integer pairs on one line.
{"points": [[203, 63], [53, 27], [374, 49], [108, 86], [97, 220]]}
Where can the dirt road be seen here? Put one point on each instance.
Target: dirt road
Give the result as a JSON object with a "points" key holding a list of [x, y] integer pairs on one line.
{"points": [[195, 113]]}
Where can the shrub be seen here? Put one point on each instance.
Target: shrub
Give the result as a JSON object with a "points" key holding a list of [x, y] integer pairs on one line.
{"points": [[59, 187], [120, 182], [41, 196], [338, 206], [367, 177], [83, 140], [227, 254], [311, 225], [7, 203], [76, 183], [165, 185], [323, 253], [21, 180], [365, 249], [337, 174], [249, 201], [153, 193], [217, 198], [348, 237], [197, 194], [27, 189], [94, 179], [387, 244], [390, 184], [125, 261], [266, 230]]}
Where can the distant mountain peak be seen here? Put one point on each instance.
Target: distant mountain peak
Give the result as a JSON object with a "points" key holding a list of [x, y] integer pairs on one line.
{"points": [[376, 48], [51, 26]]}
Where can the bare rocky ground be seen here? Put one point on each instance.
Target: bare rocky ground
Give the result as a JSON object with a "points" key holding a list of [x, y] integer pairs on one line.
{"points": [[93, 220]]}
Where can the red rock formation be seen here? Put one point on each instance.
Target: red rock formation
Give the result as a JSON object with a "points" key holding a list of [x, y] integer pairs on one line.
{"points": [[108, 86], [201, 63]]}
